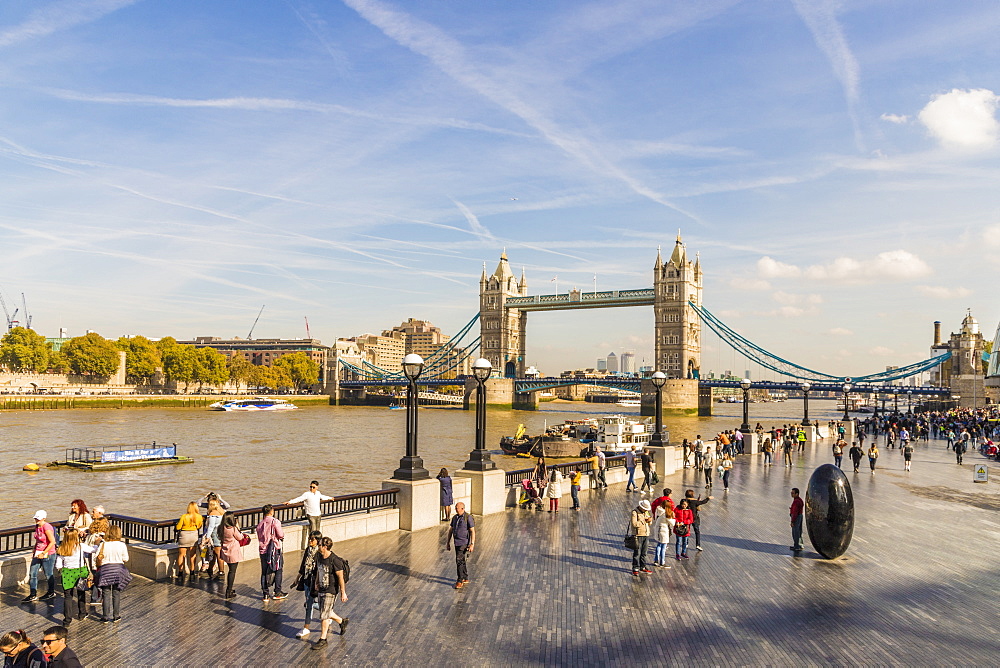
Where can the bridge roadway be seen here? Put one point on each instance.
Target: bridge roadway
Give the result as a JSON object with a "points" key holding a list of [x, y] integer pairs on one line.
{"points": [[917, 587]]}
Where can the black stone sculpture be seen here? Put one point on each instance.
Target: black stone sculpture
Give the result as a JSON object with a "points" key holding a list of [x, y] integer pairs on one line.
{"points": [[829, 511]]}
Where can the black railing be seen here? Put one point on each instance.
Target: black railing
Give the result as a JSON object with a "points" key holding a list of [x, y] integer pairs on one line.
{"points": [[22, 539], [515, 477]]}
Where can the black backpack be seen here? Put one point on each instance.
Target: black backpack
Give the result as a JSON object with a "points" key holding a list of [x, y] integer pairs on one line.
{"points": [[347, 570]]}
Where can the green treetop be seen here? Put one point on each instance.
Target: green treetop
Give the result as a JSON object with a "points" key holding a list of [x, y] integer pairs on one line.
{"points": [[23, 350], [91, 355], [303, 371]]}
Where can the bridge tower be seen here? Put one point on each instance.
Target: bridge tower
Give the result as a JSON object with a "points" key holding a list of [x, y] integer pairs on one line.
{"points": [[678, 329], [502, 329]]}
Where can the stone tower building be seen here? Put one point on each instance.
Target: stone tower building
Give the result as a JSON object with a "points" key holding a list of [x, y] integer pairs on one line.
{"points": [[677, 281], [502, 329], [964, 372]]}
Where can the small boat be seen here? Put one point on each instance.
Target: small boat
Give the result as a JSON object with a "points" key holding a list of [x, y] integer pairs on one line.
{"points": [[251, 405], [519, 443], [629, 402]]}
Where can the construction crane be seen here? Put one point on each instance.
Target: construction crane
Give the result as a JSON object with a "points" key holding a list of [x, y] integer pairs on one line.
{"points": [[24, 309], [308, 335], [254, 326], [11, 317]]}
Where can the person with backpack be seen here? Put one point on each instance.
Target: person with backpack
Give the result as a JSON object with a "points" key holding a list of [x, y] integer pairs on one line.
{"points": [[463, 532], [907, 456], [272, 561], [684, 518], [960, 448], [330, 578], [856, 454]]}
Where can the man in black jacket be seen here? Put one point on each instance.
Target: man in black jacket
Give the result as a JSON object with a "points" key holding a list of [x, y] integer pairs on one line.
{"points": [[694, 504]]}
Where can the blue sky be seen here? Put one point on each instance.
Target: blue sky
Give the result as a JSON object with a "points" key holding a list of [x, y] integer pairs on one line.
{"points": [[168, 167]]}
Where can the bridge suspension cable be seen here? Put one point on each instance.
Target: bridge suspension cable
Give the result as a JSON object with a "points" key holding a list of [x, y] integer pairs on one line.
{"points": [[769, 360]]}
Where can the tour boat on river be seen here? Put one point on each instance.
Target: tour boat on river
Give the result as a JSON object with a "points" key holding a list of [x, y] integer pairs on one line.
{"points": [[614, 433], [255, 404]]}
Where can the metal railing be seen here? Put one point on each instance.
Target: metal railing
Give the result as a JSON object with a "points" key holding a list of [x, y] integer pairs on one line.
{"points": [[161, 532], [514, 478]]}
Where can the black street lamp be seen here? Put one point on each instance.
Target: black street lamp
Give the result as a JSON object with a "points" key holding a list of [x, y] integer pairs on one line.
{"points": [[659, 380], [875, 394], [847, 388], [411, 467], [895, 402], [805, 404], [479, 459], [745, 386], [909, 402]]}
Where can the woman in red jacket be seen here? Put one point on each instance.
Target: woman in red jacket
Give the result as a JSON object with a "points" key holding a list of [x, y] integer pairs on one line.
{"points": [[684, 517]]}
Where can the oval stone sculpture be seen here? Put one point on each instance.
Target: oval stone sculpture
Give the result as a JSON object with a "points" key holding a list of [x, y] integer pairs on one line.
{"points": [[829, 512]]}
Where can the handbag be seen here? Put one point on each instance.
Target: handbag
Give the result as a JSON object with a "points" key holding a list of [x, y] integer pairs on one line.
{"points": [[681, 530], [632, 541], [244, 539]]}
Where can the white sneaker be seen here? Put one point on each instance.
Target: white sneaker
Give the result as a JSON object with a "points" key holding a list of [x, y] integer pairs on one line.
{"points": [[303, 633]]}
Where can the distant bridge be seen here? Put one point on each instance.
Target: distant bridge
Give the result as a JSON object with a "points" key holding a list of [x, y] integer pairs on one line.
{"points": [[796, 386]]}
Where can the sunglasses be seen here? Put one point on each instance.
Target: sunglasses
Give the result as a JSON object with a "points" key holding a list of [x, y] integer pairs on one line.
{"points": [[49, 641]]}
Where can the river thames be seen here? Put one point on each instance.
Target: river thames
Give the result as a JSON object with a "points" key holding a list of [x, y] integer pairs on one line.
{"points": [[255, 458]]}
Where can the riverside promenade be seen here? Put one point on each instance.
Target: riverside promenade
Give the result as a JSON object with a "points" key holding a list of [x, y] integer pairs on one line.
{"points": [[916, 587]]}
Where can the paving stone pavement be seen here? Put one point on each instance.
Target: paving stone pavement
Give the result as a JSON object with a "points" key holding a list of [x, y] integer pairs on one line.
{"points": [[918, 586]]}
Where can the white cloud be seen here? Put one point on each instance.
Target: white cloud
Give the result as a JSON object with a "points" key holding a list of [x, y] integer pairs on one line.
{"points": [[897, 265], [963, 118], [755, 284], [941, 292], [770, 268], [894, 118], [60, 16], [790, 299], [991, 236], [841, 331], [881, 350]]}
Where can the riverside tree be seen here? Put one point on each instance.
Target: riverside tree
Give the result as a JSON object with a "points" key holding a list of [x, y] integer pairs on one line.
{"points": [[303, 371], [142, 358], [91, 355], [240, 370], [24, 350], [210, 367]]}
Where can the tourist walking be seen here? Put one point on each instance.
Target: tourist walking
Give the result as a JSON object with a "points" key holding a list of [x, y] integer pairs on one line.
{"points": [[304, 582], [687, 449], [54, 644], [856, 453], [554, 490], [960, 448], [838, 452], [630, 467], [787, 445], [463, 533], [72, 567], [795, 512], [708, 463], [43, 558], [79, 517], [695, 506], [873, 456], [769, 451], [310, 500], [663, 525], [699, 451], [272, 561], [646, 464], [20, 651], [599, 468], [233, 541], [447, 496], [684, 518], [574, 488], [188, 525], [725, 467], [112, 575], [211, 540], [330, 581], [639, 522], [907, 456]]}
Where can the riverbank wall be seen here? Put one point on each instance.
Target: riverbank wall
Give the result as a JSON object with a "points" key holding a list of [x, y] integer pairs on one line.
{"points": [[43, 402]]}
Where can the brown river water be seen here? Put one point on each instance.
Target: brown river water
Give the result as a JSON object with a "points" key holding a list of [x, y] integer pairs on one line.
{"points": [[255, 458]]}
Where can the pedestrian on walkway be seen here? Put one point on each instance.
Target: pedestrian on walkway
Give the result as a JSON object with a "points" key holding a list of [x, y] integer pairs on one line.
{"points": [[646, 463], [54, 644], [725, 467], [630, 467], [907, 456], [463, 532], [98, 528], [311, 506], [838, 452], [708, 463], [639, 522], [695, 506], [600, 467], [112, 575], [20, 651], [684, 519], [232, 549], [554, 489], [664, 500], [873, 456], [802, 439], [687, 449], [330, 581], [272, 561], [574, 488], [663, 526], [768, 448], [856, 454], [44, 558], [787, 445], [304, 582], [79, 517], [447, 496], [72, 567], [211, 539], [188, 525], [960, 448], [699, 451], [795, 512]]}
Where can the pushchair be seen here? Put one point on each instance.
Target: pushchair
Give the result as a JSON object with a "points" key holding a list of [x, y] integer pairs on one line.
{"points": [[529, 495]]}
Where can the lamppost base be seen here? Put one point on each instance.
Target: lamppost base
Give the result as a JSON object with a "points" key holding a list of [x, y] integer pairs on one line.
{"points": [[656, 440], [480, 460], [745, 428], [411, 468], [806, 423]]}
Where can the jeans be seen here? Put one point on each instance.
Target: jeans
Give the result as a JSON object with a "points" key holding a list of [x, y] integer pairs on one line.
{"points": [[661, 553], [797, 533], [838, 459], [646, 479], [871, 462], [788, 457], [697, 459], [310, 600], [461, 551], [112, 597], [857, 463], [725, 478], [681, 546], [767, 457], [574, 491], [708, 477], [631, 478], [697, 533], [267, 577], [49, 564], [639, 553]]}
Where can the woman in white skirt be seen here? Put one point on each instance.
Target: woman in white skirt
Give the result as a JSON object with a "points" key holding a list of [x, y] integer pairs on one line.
{"points": [[554, 490]]}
